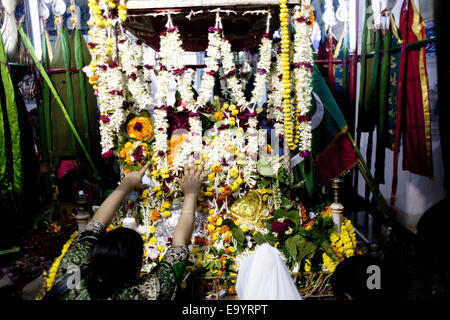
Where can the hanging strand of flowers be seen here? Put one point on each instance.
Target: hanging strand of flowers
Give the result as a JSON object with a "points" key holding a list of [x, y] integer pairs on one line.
{"points": [[131, 62], [275, 100], [103, 71], [303, 69], [286, 79]]}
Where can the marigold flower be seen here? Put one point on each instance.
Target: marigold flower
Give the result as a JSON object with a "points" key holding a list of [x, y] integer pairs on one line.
{"points": [[155, 215], [218, 116]]}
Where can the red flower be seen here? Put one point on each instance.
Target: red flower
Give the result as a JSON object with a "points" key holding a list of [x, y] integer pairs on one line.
{"points": [[138, 154], [200, 241], [104, 118], [108, 154], [138, 126], [113, 64]]}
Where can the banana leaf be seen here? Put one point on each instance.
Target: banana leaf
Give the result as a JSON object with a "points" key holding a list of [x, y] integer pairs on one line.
{"points": [[11, 111]]}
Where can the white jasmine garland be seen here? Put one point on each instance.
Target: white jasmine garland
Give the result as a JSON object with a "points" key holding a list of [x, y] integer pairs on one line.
{"points": [[212, 56], [303, 60], [263, 68], [233, 83], [275, 99]]}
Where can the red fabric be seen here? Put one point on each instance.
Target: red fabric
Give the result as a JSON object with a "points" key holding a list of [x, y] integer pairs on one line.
{"points": [[336, 159], [410, 122]]}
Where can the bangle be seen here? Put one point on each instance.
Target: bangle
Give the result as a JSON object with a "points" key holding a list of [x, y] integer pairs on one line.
{"points": [[187, 212]]}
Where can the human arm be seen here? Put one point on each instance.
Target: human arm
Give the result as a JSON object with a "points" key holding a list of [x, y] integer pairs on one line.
{"points": [[190, 186], [107, 210]]}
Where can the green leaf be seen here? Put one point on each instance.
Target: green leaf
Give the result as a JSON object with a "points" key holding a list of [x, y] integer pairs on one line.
{"points": [[229, 223], [286, 203], [291, 247], [259, 238], [238, 235], [305, 248], [218, 265], [265, 168], [325, 245]]}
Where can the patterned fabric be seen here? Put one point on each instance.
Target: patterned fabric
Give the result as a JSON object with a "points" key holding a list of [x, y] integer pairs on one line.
{"points": [[160, 283]]}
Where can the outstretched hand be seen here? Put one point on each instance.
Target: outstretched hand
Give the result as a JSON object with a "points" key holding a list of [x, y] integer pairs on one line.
{"points": [[134, 178], [192, 180]]}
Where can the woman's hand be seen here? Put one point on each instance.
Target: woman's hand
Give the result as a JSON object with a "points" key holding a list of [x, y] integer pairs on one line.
{"points": [[133, 179], [192, 180], [107, 210]]}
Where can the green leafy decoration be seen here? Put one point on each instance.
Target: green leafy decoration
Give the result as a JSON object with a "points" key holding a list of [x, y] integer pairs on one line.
{"points": [[259, 238], [238, 235], [265, 168]]}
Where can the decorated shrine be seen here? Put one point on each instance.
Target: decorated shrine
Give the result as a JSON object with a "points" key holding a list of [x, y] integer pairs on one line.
{"points": [[259, 96]]}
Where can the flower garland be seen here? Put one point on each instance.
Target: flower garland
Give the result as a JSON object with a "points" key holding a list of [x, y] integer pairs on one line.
{"points": [[103, 71], [286, 80], [48, 281], [131, 62], [231, 74], [211, 62], [263, 68], [303, 69], [275, 99]]}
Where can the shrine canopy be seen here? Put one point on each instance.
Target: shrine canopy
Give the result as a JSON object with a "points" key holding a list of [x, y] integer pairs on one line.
{"points": [[240, 19]]}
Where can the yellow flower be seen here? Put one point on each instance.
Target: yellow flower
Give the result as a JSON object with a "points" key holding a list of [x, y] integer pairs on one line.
{"points": [[166, 214], [244, 228], [152, 240], [155, 174], [210, 227], [160, 248], [307, 265], [219, 221], [152, 229], [234, 172], [231, 121], [144, 194], [211, 211]]}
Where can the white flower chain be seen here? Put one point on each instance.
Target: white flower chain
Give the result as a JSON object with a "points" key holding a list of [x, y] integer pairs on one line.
{"points": [[303, 60]]}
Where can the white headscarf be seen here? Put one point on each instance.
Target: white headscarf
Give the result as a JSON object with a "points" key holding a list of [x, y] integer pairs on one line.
{"points": [[264, 276]]}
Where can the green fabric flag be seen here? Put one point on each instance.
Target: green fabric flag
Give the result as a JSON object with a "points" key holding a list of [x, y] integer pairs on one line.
{"points": [[332, 153], [13, 121], [384, 82], [4, 185], [366, 121], [60, 129]]}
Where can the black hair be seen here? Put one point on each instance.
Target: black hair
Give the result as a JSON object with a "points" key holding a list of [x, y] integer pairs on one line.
{"points": [[116, 261], [350, 277]]}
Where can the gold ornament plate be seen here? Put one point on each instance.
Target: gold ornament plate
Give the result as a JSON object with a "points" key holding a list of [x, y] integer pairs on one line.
{"points": [[249, 208]]}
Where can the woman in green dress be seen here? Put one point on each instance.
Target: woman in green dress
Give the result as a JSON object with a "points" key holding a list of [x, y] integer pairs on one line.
{"points": [[100, 265]]}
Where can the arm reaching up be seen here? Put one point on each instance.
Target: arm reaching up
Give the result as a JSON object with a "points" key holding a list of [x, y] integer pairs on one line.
{"points": [[190, 185], [107, 210]]}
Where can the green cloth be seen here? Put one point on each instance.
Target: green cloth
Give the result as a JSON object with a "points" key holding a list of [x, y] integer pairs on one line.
{"points": [[384, 82], [366, 109], [329, 143], [10, 111], [61, 132]]}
